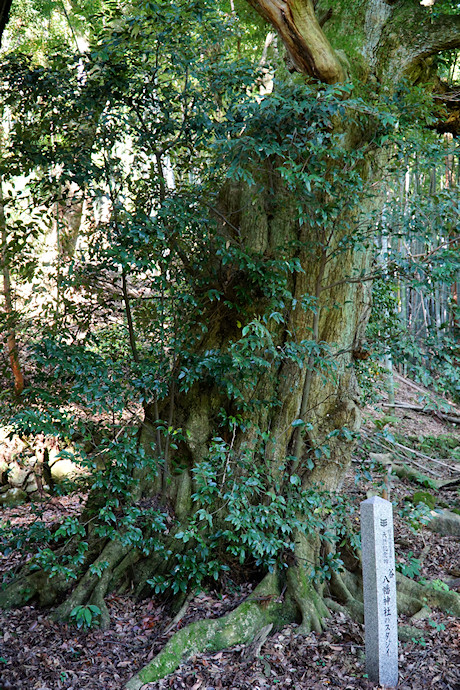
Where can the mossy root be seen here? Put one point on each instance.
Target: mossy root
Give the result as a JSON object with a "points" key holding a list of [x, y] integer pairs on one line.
{"points": [[240, 626]]}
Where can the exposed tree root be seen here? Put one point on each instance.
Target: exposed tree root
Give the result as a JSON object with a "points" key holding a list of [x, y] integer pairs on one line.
{"points": [[347, 599], [93, 587], [309, 601], [240, 626], [36, 585], [413, 597], [181, 612], [263, 611], [253, 650]]}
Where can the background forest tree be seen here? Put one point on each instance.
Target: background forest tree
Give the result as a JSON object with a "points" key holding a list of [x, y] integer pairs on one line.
{"points": [[213, 177]]}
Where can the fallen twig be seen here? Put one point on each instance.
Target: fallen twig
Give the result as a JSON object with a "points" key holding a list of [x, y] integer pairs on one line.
{"points": [[404, 457], [426, 457], [419, 408], [405, 471], [450, 484], [420, 389]]}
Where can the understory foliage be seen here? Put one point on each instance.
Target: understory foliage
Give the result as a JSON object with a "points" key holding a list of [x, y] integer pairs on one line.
{"points": [[416, 297], [415, 317], [139, 135]]}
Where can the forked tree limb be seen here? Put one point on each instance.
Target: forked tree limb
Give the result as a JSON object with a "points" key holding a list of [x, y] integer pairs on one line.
{"points": [[408, 34], [421, 389]]}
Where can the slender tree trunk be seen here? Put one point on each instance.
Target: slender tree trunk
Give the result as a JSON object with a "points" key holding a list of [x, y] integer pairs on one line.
{"points": [[11, 340]]}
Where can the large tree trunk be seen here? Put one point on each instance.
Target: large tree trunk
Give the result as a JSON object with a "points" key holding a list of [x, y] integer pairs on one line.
{"points": [[307, 410], [324, 399]]}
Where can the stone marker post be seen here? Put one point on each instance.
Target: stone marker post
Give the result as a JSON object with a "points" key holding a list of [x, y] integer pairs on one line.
{"points": [[379, 588]]}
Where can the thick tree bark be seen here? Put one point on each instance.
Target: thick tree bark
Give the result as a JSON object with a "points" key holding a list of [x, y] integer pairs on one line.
{"points": [[70, 212], [327, 403]]}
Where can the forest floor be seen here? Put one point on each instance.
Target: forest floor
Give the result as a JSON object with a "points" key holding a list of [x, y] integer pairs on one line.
{"points": [[37, 653]]}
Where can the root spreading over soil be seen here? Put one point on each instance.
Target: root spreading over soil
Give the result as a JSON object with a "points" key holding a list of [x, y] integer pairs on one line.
{"points": [[274, 634]]}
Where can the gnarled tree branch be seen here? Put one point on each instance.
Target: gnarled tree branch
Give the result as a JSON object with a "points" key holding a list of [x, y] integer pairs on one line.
{"points": [[307, 45], [438, 34], [414, 34]]}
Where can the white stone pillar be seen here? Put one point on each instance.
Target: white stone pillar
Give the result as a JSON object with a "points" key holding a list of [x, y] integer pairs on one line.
{"points": [[379, 589]]}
